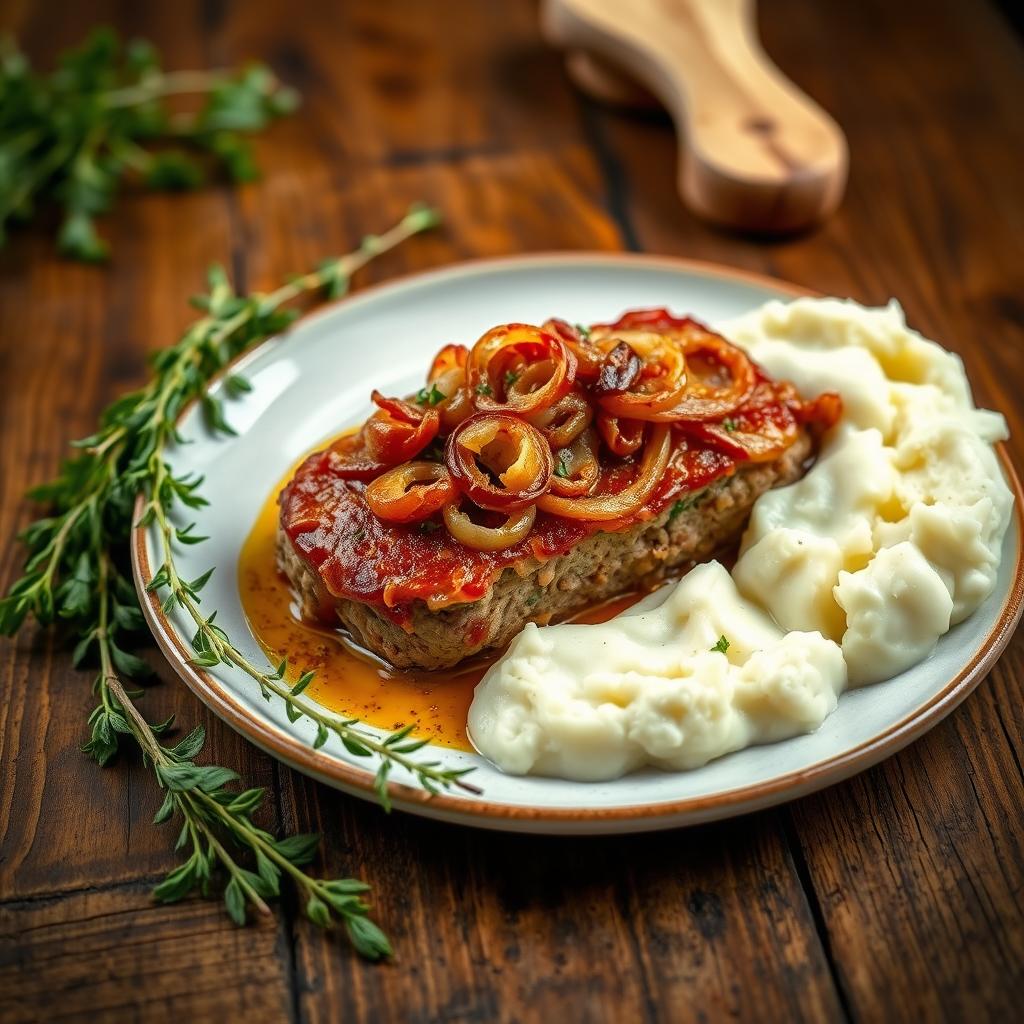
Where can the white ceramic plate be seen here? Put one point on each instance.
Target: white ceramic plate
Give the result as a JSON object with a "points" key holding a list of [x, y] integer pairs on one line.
{"points": [[316, 380]]}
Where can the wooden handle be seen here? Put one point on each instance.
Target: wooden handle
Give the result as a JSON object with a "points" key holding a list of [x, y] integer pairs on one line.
{"points": [[755, 152]]}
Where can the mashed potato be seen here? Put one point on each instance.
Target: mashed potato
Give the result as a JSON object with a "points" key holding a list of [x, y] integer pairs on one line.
{"points": [[848, 576]]}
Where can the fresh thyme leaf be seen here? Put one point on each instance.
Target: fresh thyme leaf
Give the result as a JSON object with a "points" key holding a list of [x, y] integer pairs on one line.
{"points": [[299, 849], [430, 397], [583, 331], [722, 646], [367, 938], [730, 425], [74, 572], [71, 137], [304, 680], [483, 388], [561, 469], [511, 377]]}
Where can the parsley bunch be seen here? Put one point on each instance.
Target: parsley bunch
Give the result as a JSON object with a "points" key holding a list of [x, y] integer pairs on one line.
{"points": [[70, 137], [75, 574]]}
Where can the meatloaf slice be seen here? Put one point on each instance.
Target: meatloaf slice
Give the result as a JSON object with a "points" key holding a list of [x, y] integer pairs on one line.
{"points": [[599, 567]]}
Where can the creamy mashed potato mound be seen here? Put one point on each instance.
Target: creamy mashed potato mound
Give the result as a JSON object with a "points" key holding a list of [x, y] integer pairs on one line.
{"points": [[847, 577]]}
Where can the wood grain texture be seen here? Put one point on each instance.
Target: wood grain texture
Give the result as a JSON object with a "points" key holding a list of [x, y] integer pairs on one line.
{"points": [[894, 896], [108, 956], [704, 924]]}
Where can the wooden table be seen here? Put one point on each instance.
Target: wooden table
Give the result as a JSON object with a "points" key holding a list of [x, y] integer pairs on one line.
{"points": [[898, 895]]}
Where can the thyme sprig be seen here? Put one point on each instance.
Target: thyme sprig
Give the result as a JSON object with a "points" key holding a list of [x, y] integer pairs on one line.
{"points": [[71, 136], [74, 573]]}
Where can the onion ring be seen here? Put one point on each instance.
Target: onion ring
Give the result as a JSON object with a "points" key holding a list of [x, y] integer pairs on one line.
{"points": [[711, 401], [648, 319], [392, 440], [398, 408], [448, 375], [502, 356], [489, 538], [605, 507], [588, 356], [564, 421], [515, 455], [622, 436], [582, 471], [451, 357], [660, 382], [410, 492]]}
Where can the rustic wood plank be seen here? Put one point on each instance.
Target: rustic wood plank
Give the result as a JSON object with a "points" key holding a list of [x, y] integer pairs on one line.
{"points": [[76, 337], [691, 925], [110, 956], [917, 865], [407, 83]]}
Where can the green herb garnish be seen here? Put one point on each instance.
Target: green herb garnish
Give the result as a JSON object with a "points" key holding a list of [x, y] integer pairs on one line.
{"points": [[511, 377], [730, 425], [75, 574], [483, 388], [561, 469], [434, 396], [722, 646], [70, 137], [584, 332]]}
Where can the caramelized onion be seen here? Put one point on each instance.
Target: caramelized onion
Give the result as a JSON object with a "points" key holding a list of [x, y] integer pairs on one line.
{"points": [[499, 461], [579, 470], [564, 421], [489, 538], [660, 381], [709, 395], [503, 374], [763, 444], [588, 356], [451, 357], [391, 440], [448, 375], [623, 437], [458, 407], [411, 492], [398, 408], [604, 507]]}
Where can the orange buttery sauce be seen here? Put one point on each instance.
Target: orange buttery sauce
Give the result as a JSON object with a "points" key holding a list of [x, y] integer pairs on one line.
{"points": [[348, 680]]}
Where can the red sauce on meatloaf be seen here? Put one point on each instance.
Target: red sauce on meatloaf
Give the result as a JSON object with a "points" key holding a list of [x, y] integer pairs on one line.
{"points": [[389, 565]]}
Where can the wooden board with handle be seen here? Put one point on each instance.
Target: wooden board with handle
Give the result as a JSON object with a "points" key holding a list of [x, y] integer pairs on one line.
{"points": [[755, 153]]}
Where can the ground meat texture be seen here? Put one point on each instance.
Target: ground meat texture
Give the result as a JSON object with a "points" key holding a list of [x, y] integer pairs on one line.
{"points": [[600, 567]]}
